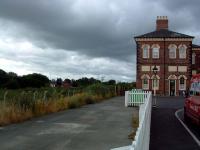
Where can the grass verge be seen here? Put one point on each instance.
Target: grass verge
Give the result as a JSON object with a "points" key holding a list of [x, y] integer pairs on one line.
{"points": [[134, 125], [18, 112]]}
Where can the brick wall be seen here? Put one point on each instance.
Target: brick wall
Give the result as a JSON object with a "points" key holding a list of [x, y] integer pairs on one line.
{"points": [[196, 66], [164, 61]]}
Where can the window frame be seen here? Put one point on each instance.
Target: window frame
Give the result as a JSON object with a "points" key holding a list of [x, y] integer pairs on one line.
{"points": [[157, 51], [182, 56], [193, 58], [147, 51], [174, 48], [145, 85], [155, 79], [182, 86]]}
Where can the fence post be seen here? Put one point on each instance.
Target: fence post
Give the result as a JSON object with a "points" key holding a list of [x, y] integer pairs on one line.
{"points": [[34, 95], [4, 97], [45, 94], [126, 98]]}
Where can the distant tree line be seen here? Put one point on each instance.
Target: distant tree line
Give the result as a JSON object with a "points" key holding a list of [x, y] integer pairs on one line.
{"points": [[11, 80], [83, 82]]}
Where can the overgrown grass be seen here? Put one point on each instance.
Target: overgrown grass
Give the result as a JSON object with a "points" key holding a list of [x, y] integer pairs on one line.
{"points": [[134, 124], [26, 106]]}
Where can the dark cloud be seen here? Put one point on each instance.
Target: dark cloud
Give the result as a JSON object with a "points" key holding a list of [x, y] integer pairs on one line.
{"points": [[72, 25], [90, 28]]}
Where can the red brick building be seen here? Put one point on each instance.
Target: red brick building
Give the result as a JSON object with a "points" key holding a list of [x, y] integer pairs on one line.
{"points": [[174, 56]]}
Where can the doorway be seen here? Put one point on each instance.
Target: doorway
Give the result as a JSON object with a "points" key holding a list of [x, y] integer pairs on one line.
{"points": [[172, 87]]}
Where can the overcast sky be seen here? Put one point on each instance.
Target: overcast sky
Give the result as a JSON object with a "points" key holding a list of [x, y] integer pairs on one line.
{"points": [[78, 38]]}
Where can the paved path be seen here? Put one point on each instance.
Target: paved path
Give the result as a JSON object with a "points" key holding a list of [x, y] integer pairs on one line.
{"points": [[99, 126], [167, 133]]}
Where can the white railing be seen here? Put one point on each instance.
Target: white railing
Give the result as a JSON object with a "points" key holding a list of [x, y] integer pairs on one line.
{"points": [[144, 102], [142, 136]]}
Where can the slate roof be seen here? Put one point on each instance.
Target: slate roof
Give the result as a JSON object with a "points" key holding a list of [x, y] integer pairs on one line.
{"points": [[164, 33], [195, 46]]}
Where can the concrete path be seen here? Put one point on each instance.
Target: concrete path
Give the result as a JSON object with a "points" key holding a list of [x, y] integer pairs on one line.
{"points": [[167, 133], [99, 126]]}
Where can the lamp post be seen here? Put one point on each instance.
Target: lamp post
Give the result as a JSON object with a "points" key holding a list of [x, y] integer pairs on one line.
{"points": [[155, 71]]}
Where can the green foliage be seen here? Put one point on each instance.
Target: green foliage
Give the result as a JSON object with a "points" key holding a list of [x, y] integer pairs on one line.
{"points": [[100, 89], [86, 81], [21, 104], [12, 81], [110, 82], [4, 78], [34, 80], [12, 84]]}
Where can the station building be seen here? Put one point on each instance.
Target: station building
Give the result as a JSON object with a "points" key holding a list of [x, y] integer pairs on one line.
{"points": [[166, 60]]}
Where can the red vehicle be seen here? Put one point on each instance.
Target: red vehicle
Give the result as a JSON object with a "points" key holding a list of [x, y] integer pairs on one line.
{"points": [[192, 102]]}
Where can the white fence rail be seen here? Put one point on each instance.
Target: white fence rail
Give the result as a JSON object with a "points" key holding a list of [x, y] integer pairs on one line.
{"points": [[143, 99]]}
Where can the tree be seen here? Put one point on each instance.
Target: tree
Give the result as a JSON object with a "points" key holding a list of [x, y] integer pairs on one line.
{"points": [[34, 80], [4, 78], [59, 82], [74, 83], [12, 84], [111, 82], [87, 81], [67, 81]]}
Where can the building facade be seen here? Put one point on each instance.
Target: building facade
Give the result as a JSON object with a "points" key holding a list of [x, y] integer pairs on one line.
{"points": [[172, 54]]}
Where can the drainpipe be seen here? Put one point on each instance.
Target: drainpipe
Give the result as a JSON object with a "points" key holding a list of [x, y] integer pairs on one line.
{"points": [[164, 66]]}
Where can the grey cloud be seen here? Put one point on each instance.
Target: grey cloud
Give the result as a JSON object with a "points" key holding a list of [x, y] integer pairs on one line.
{"points": [[91, 28], [100, 32]]}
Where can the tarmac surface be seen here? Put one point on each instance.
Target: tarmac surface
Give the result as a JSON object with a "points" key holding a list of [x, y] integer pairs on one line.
{"points": [[99, 126], [167, 133], [194, 128]]}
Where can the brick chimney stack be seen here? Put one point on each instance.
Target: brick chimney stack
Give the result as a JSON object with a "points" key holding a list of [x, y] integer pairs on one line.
{"points": [[161, 22]]}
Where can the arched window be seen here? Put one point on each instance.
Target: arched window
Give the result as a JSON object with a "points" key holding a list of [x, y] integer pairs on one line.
{"points": [[182, 51], [145, 81], [145, 53], [193, 58], [172, 51], [155, 51], [182, 82], [155, 82]]}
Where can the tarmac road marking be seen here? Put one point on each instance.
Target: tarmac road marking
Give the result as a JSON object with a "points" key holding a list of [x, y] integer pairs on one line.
{"points": [[185, 126]]}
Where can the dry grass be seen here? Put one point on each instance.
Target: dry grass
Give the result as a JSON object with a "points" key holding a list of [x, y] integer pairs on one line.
{"points": [[11, 113], [135, 125]]}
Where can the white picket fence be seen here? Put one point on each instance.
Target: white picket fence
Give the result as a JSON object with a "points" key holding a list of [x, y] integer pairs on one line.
{"points": [[135, 97], [144, 102], [142, 137]]}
